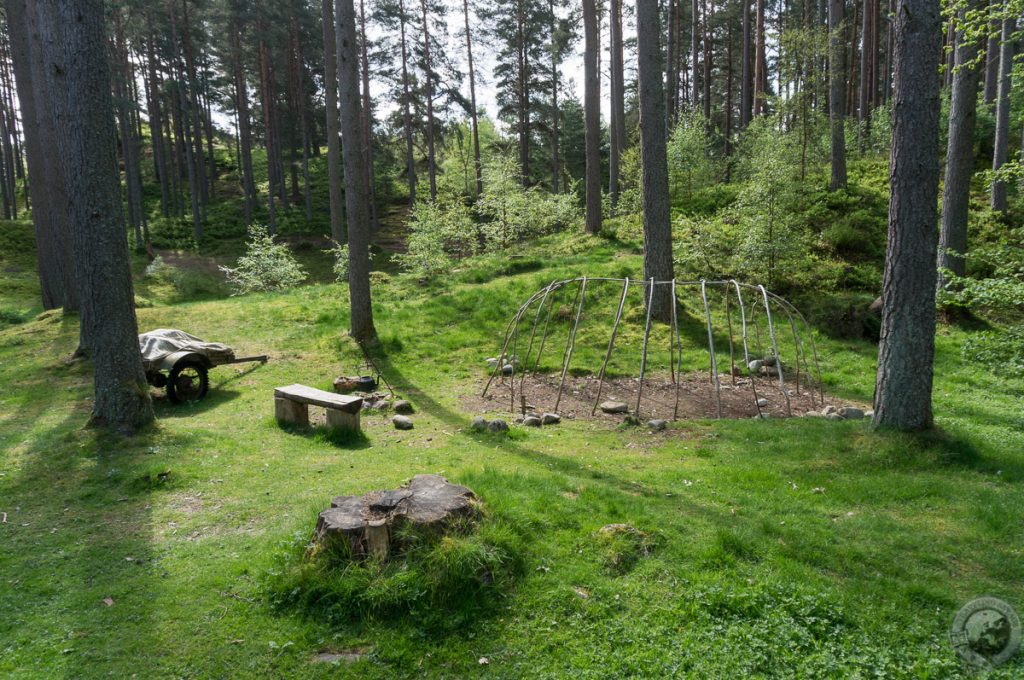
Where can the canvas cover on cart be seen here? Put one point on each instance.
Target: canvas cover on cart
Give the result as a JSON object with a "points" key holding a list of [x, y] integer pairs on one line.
{"points": [[162, 342]]}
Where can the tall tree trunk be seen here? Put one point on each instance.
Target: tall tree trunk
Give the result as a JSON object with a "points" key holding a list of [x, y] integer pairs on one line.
{"points": [[592, 116], [760, 62], [671, 65], [851, 86], [478, 169], [428, 73], [963, 114], [556, 163], [364, 70], [694, 52], [746, 77], [357, 196], [410, 159], [50, 216], [618, 107], [334, 177], [706, 32], [654, 160], [242, 107], [1002, 142], [79, 81], [903, 387], [270, 138], [992, 59], [864, 99], [837, 90], [156, 130]]}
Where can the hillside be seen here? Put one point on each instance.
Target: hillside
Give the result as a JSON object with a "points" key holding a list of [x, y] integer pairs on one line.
{"points": [[803, 544]]}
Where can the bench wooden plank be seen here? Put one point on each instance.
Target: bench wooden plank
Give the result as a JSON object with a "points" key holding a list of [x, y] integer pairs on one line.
{"points": [[311, 395]]}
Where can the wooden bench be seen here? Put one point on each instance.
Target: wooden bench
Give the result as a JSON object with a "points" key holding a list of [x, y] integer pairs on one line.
{"points": [[291, 405]]}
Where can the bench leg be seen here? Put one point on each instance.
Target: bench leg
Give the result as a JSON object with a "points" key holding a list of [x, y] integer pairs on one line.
{"points": [[288, 411], [339, 420]]}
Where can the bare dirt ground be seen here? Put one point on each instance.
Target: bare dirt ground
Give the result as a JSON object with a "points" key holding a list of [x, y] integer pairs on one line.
{"points": [[697, 397]]}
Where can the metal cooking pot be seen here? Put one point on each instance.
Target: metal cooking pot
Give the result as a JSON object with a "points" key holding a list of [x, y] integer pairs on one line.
{"points": [[366, 383]]}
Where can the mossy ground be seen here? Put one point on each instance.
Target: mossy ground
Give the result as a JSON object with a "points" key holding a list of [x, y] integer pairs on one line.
{"points": [[797, 548]]}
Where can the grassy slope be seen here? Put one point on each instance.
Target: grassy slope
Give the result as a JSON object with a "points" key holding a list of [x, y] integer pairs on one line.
{"points": [[753, 573]]}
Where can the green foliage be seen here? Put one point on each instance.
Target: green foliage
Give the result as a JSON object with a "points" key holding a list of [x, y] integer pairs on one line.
{"points": [[690, 162], [512, 213], [176, 284], [340, 268], [1001, 350], [438, 234], [266, 265]]}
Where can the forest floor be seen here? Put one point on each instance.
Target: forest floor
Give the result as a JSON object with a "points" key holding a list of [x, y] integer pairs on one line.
{"points": [[795, 547]]}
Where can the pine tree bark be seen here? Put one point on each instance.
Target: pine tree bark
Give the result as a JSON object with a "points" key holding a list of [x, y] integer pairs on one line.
{"points": [[356, 192], [654, 159], [592, 117], [746, 83], [760, 62], [963, 115], [79, 83], [428, 76], [244, 116], [410, 158], [706, 34], [837, 91], [270, 138], [556, 162], [992, 60], [50, 217], [156, 128], [906, 350], [695, 52], [617, 102], [1002, 141], [364, 72], [477, 167], [334, 177]]}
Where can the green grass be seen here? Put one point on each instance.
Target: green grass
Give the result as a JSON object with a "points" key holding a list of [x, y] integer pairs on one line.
{"points": [[193, 528]]}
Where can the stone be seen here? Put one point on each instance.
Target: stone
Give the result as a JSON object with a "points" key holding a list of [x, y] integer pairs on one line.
{"points": [[755, 365], [829, 410], [508, 369], [762, 402], [614, 407], [404, 407], [377, 405], [497, 425], [657, 425], [478, 424], [869, 414], [363, 525], [532, 421], [402, 423], [551, 418], [492, 363], [833, 416], [851, 413]]}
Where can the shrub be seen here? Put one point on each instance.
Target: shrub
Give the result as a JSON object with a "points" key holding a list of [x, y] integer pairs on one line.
{"points": [[340, 253], [438, 233], [998, 350], [265, 266]]}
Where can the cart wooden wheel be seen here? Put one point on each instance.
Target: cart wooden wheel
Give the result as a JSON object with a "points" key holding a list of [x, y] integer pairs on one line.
{"points": [[187, 382]]}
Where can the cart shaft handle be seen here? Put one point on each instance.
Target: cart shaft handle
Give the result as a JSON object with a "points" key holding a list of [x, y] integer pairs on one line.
{"points": [[262, 358]]}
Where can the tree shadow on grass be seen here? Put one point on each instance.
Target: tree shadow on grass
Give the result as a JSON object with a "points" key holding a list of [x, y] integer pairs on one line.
{"points": [[83, 526]]}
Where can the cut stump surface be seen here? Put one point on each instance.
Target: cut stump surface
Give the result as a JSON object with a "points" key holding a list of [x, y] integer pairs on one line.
{"points": [[365, 523]]}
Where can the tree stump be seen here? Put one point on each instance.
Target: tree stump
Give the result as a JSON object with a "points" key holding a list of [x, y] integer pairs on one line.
{"points": [[364, 525]]}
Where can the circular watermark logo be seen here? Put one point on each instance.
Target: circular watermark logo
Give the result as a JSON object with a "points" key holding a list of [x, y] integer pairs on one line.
{"points": [[986, 632]]}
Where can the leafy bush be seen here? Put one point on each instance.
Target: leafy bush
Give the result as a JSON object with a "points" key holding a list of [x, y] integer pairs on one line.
{"points": [[999, 350], [512, 213], [690, 162], [438, 233], [340, 253], [265, 266]]}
